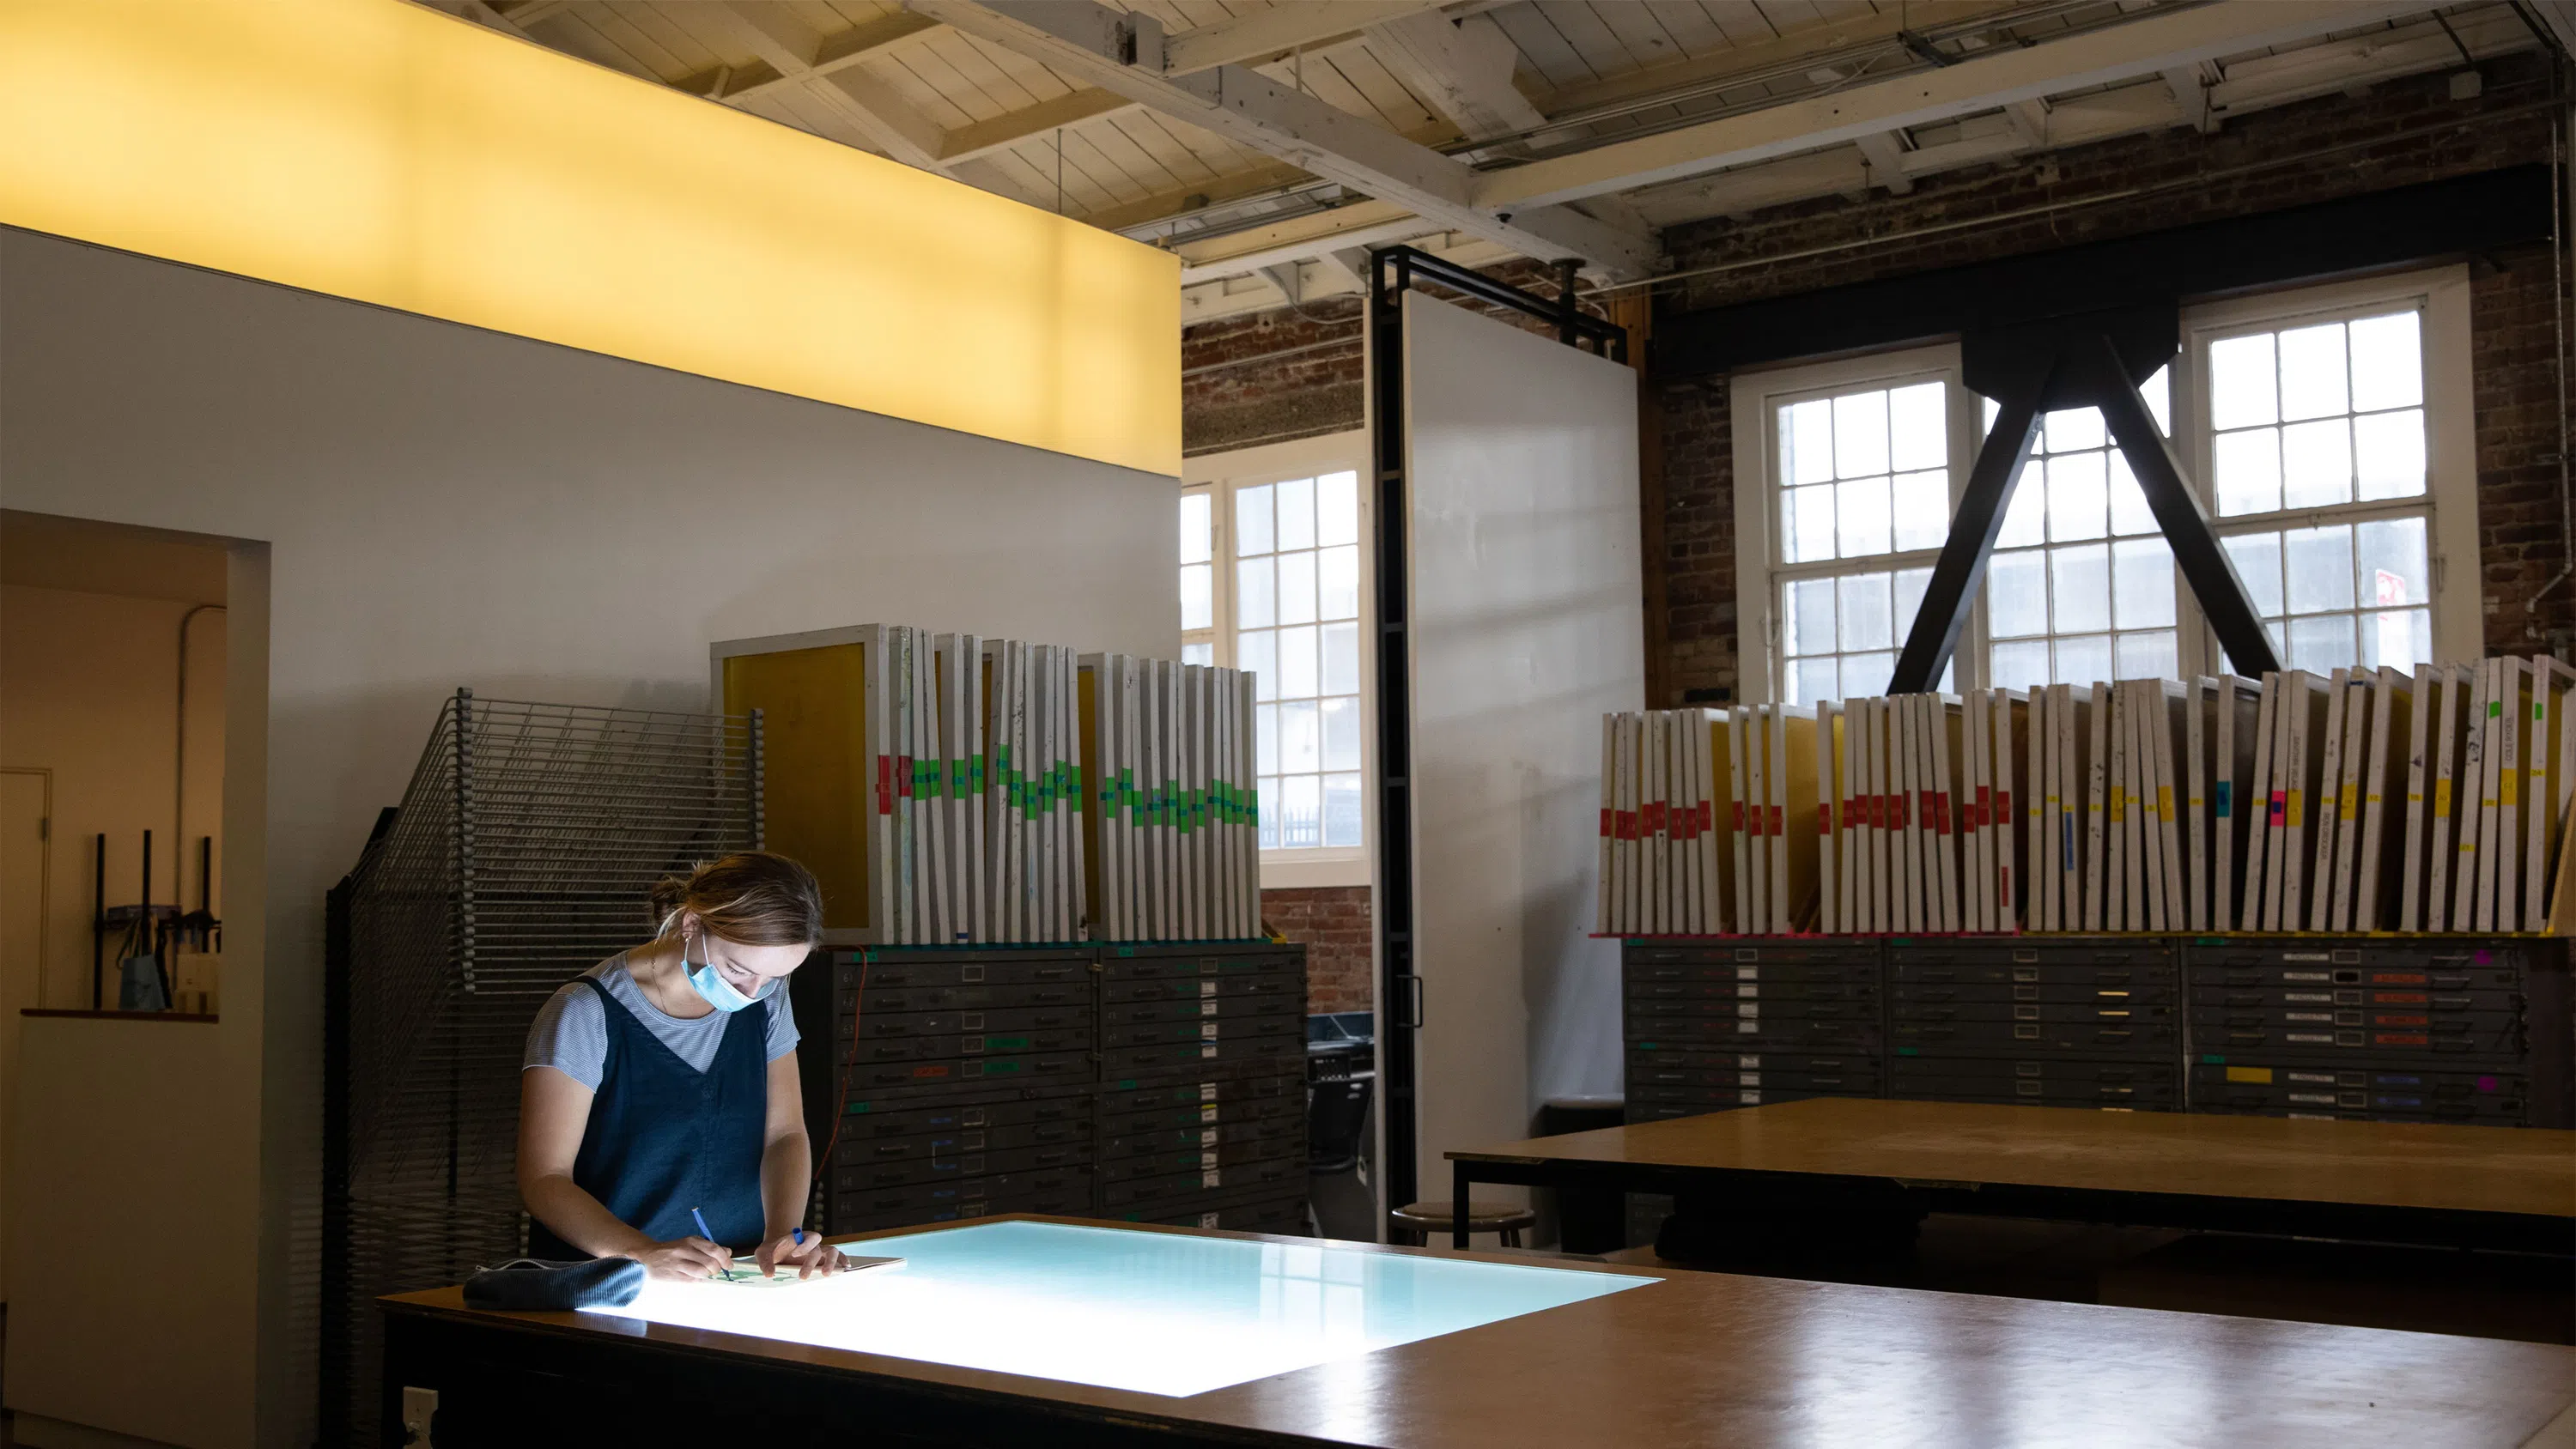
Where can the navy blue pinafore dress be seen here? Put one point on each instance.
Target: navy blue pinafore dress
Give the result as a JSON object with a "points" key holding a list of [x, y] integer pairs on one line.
{"points": [[664, 1137]]}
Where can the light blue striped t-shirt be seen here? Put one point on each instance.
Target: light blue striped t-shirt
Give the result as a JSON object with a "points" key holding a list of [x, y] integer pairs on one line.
{"points": [[571, 1030]]}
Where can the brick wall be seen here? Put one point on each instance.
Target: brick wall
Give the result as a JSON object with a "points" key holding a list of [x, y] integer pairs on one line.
{"points": [[1239, 391], [1332, 922], [2396, 134], [1276, 376], [2399, 134]]}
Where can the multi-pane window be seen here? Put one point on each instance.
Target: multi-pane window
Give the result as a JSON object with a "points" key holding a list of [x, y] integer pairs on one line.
{"points": [[1270, 583], [2325, 432], [1296, 616], [2080, 586], [1863, 483], [2325, 423], [1198, 578]]}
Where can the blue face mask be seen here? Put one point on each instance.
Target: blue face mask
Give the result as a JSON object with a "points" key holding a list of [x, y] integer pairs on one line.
{"points": [[719, 993]]}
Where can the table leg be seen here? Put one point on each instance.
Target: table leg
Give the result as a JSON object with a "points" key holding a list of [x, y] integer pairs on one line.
{"points": [[1458, 1205]]}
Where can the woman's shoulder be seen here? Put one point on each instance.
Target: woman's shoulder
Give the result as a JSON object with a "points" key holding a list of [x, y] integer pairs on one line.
{"points": [[576, 997]]}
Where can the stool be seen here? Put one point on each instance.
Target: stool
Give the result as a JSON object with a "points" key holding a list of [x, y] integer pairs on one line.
{"points": [[1415, 1222]]}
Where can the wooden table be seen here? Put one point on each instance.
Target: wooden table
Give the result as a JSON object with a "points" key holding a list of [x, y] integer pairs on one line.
{"points": [[2441, 1185], [1692, 1358]]}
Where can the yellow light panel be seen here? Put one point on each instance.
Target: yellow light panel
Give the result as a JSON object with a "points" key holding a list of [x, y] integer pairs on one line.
{"points": [[384, 152]]}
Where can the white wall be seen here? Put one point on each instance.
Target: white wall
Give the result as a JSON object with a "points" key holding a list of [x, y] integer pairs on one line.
{"points": [[1527, 624], [441, 507]]}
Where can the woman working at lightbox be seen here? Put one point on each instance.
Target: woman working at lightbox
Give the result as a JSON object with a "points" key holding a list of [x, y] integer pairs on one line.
{"points": [[661, 1085]]}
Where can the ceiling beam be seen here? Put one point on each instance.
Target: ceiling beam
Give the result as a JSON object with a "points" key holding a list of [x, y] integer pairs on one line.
{"points": [[1002, 132], [2559, 18], [1123, 53], [1886, 156], [1228, 189], [2142, 106], [1800, 45], [838, 49], [791, 47], [2000, 135], [2191, 93], [1461, 69], [2143, 47], [1275, 31], [1362, 224]]}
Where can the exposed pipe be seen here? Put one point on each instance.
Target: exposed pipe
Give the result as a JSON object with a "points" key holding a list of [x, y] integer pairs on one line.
{"points": [[179, 775]]}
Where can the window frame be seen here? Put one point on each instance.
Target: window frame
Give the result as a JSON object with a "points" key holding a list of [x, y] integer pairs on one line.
{"points": [[1219, 475], [1757, 511], [2450, 494]]}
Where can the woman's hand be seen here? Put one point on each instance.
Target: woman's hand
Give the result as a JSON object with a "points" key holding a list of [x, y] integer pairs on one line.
{"points": [[684, 1259], [812, 1258]]}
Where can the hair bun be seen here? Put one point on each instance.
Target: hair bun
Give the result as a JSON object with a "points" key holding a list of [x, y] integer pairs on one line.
{"points": [[667, 896], [752, 898]]}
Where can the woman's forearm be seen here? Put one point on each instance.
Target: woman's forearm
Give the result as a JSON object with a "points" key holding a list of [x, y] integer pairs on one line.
{"points": [[578, 1218], [786, 1176]]}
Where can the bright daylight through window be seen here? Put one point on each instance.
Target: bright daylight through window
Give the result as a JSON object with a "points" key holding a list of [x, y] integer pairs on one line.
{"points": [[2302, 427], [1270, 583]]}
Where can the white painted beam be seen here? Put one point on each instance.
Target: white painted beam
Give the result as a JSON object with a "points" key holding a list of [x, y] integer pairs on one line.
{"points": [[1886, 157], [1319, 279], [1102, 47], [2029, 120], [791, 47], [1298, 238], [1275, 31], [2191, 94], [1461, 69], [1002, 132], [2147, 46], [2128, 110], [1351, 264]]}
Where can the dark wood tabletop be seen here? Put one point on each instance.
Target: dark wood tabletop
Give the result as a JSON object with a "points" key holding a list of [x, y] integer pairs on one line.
{"points": [[2427, 1166], [1704, 1358]]}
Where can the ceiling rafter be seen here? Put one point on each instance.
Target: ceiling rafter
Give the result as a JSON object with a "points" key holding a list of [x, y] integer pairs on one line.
{"points": [[1269, 34], [1123, 52], [2149, 104], [2145, 46], [888, 122], [1461, 69], [1885, 152]]}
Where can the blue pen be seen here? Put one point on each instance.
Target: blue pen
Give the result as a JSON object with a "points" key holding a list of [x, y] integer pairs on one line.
{"points": [[709, 1236]]}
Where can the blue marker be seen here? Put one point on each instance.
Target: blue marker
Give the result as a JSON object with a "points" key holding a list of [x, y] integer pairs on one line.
{"points": [[708, 1235]]}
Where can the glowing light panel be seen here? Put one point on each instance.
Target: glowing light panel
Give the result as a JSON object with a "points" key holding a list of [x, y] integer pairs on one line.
{"points": [[1155, 1313], [387, 153]]}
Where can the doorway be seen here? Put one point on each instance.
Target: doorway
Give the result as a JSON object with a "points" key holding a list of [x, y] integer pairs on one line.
{"points": [[26, 871]]}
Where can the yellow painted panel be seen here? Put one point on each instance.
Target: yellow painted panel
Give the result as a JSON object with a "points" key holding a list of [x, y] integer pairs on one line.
{"points": [[387, 153], [814, 764], [2249, 1074]]}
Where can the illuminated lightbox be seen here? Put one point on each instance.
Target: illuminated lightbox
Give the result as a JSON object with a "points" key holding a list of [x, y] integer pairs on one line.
{"points": [[1155, 1313]]}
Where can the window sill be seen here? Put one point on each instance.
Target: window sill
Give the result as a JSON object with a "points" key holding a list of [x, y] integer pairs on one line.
{"points": [[1306, 869]]}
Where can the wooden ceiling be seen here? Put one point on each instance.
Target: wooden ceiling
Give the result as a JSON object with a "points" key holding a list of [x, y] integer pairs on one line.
{"points": [[1617, 117]]}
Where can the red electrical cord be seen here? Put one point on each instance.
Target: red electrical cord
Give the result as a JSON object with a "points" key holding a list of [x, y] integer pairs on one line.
{"points": [[841, 1093]]}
